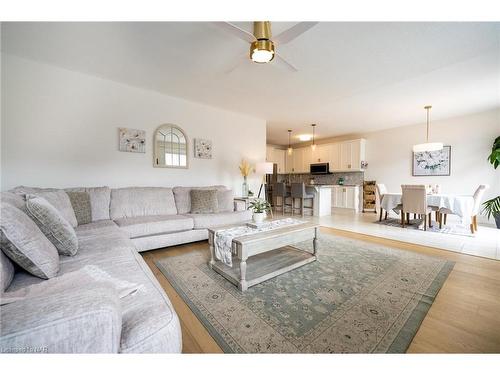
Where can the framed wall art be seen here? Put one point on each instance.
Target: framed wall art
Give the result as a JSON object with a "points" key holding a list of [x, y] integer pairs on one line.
{"points": [[131, 140], [202, 148], [432, 163]]}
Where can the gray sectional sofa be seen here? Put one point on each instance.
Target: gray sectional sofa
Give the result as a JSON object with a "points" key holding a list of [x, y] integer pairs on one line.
{"points": [[91, 318]]}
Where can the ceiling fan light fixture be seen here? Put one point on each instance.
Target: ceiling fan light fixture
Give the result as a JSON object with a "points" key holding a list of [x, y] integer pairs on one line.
{"points": [[262, 51]]}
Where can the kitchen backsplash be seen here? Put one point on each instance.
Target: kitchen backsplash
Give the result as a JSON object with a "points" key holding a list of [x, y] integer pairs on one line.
{"points": [[350, 178]]}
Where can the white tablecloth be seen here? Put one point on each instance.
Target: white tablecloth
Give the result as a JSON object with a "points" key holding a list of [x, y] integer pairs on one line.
{"points": [[460, 205]]}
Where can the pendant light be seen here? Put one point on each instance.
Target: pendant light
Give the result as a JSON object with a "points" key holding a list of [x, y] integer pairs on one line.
{"points": [[290, 150], [313, 145], [428, 146]]}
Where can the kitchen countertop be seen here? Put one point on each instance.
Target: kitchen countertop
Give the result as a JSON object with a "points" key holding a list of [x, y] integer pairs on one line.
{"points": [[326, 185], [329, 185]]}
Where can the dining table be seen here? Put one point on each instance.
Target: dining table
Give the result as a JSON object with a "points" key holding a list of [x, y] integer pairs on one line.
{"points": [[460, 205]]}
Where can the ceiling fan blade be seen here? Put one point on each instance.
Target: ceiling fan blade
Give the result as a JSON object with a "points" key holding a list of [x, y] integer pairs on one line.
{"points": [[281, 61], [293, 32], [236, 31], [239, 62]]}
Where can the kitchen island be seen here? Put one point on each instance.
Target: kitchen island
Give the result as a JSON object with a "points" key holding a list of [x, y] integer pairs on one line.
{"points": [[322, 199], [328, 196], [322, 205]]}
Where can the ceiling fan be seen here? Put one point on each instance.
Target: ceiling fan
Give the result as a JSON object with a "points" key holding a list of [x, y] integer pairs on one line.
{"points": [[262, 47]]}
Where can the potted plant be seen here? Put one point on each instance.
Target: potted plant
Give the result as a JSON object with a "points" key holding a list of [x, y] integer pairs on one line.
{"points": [[492, 206], [259, 208]]}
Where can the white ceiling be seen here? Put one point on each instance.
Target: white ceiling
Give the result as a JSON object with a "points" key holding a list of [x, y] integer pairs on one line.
{"points": [[353, 77]]}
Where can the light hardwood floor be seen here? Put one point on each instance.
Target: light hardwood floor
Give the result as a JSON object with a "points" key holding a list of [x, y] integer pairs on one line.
{"points": [[464, 318]]}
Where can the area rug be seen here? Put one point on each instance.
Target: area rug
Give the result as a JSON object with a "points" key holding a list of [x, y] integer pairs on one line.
{"points": [[358, 297], [417, 224]]}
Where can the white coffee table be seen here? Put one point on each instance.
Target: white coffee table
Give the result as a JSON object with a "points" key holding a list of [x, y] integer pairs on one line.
{"points": [[262, 256]]}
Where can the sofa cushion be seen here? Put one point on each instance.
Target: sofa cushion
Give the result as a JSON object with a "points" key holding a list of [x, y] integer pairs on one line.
{"points": [[204, 201], [7, 273], [225, 200], [83, 319], [203, 221], [24, 243], [141, 201], [52, 224], [183, 196], [16, 200], [100, 198], [149, 225]]}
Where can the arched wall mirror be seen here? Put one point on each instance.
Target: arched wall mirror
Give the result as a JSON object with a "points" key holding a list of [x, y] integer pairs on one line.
{"points": [[170, 147]]}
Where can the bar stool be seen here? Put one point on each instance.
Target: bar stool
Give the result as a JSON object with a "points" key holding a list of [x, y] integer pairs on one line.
{"points": [[299, 191], [279, 190]]}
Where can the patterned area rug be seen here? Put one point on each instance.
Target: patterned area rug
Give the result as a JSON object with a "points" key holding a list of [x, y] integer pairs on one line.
{"points": [[358, 297], [418, 224]]}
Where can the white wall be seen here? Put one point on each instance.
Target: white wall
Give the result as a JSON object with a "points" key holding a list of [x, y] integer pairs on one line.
{"points": [[389, 154], [60, 129]]}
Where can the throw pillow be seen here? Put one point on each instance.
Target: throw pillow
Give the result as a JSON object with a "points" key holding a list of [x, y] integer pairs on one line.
{"points": [[99, 201], [80, 201], [53, 224], [225, 200], [204, 201], [25, 244], [60, 200], [7, 273]]}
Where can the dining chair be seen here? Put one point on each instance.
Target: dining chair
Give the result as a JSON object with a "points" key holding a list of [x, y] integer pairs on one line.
{"points": [[299, 191], [280, 191], [380, 190], [414, 200], [478, 196]]}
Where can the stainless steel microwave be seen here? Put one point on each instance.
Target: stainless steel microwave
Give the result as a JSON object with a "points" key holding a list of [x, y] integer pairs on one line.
{"points": [[320, 168]]}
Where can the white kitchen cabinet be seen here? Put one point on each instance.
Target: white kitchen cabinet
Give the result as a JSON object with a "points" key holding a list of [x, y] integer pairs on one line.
{"points": [[342, 156], [320, 154], [276, 156], [345, 197], [298, 160], [279, 159], [351, 154], [269, 153], [334, 156], [307, 159]]}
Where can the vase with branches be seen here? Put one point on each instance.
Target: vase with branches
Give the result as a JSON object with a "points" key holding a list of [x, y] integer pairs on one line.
{"points": [[245, 170]]}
